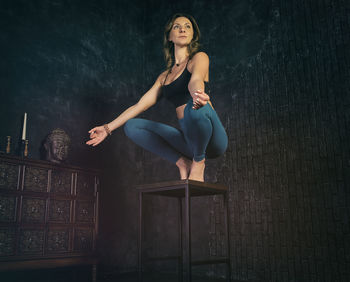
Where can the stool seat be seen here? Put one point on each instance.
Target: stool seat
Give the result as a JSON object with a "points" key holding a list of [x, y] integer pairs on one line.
{"points": [[177, 188], [184, 190]]}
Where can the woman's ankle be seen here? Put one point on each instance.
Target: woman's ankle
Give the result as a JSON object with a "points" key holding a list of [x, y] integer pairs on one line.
{"points": [[184, 166], [197, 170]]}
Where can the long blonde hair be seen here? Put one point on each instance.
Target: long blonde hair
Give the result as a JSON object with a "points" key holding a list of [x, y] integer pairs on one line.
{"points": [[168, 46]]}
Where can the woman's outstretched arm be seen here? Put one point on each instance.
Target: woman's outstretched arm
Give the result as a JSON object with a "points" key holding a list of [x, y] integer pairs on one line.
{"points": [[99, 133], [196, 85]]}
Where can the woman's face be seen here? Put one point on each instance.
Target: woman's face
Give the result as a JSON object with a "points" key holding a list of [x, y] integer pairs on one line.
{"points": [[181, 32]]}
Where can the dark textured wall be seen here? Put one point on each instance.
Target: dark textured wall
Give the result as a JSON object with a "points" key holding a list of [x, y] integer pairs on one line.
{"points": [[65, 64], [288, 163], [280, 82]]}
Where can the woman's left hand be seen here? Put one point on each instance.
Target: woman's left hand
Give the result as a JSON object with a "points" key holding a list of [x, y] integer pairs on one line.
{"points": [[200, 99]]}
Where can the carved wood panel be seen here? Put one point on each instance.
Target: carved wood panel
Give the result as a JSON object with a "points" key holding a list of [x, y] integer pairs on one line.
{"points": [[59, 210], [7, 241], [35, 179], [33, 209], [83, 240], [8, 176], [84, 211], [61, 181], [58, 240], [85, 184], [31, 241], [8, 208]]}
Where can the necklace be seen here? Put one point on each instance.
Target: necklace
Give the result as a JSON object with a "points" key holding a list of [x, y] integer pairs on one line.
{"points": [[178, 64]]}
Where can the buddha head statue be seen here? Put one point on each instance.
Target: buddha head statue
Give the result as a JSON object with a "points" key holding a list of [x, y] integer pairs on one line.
{"points": [[56, 146]]}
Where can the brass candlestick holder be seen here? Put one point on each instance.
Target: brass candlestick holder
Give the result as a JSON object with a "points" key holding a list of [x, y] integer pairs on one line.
{"points": [[25, 153], [8, 146], [21, 147]]}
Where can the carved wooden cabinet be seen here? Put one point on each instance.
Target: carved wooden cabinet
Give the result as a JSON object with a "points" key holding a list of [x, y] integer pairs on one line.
{"points": [[48, 214]]}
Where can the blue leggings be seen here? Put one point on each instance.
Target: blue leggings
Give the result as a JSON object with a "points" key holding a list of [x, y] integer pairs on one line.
{"points": [[202, 135]]}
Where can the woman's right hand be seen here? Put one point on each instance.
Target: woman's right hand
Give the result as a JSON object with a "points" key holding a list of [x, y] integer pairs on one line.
{"points": [[200, 99], [97, 135]]}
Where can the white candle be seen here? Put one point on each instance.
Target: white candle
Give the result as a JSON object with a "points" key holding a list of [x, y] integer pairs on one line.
{"points": [[24, 127]]}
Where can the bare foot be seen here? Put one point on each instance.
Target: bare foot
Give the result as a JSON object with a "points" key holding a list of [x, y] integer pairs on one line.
{"points": [[197, 171], [184, 166]]}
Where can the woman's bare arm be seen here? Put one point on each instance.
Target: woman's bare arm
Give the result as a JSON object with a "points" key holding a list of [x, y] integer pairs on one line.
{"points": [[196, 85], [99, 133], [146, 101]]}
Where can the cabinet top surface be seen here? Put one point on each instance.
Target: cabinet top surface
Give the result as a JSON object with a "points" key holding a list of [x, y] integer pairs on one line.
{"points": [[47, 164], [170, 187]]}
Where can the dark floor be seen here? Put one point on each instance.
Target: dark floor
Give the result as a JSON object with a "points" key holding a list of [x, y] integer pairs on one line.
{"points": [[163, 277], [83, 274], [157, 277]]}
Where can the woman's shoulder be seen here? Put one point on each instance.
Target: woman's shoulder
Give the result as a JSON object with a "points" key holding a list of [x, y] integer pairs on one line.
{"points": [[164, 73], [162, 76], [200, 58], [201, 55]]}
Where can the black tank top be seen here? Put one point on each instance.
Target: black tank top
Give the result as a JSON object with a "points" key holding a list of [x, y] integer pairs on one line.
{"points": [[177, 91]]}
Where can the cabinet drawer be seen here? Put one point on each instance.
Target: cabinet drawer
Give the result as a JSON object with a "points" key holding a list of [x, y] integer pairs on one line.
{"points": [[57, 240], [33, 209], [61, 182], [7, 241], [8, 206], [84, 211], [83, 239], [85, 184], [8, 176], [31, 241], [60, 210], [35, 179]]}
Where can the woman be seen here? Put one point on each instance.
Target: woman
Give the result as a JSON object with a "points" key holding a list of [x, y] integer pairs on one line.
{"points": [[183, 83]]}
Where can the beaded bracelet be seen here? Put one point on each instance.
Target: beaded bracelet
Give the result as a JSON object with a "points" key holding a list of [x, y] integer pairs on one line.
{"points": [[105, 126]]}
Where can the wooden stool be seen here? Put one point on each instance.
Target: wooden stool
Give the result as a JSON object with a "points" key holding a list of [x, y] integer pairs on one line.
{"points": [[184, 189]]}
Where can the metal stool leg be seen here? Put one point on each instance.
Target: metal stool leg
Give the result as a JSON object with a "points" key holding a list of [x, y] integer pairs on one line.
{"points": [[187, 247], [227, 226], [180, 251], [94, 272], [140, 237]]}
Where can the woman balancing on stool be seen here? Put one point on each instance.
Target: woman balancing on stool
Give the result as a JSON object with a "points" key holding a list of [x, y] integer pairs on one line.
{"points": [[183, 83]]}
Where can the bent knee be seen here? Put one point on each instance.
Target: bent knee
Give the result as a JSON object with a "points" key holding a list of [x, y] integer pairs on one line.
{"points": [[217, 150], [131, 126], [197, 115]]}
